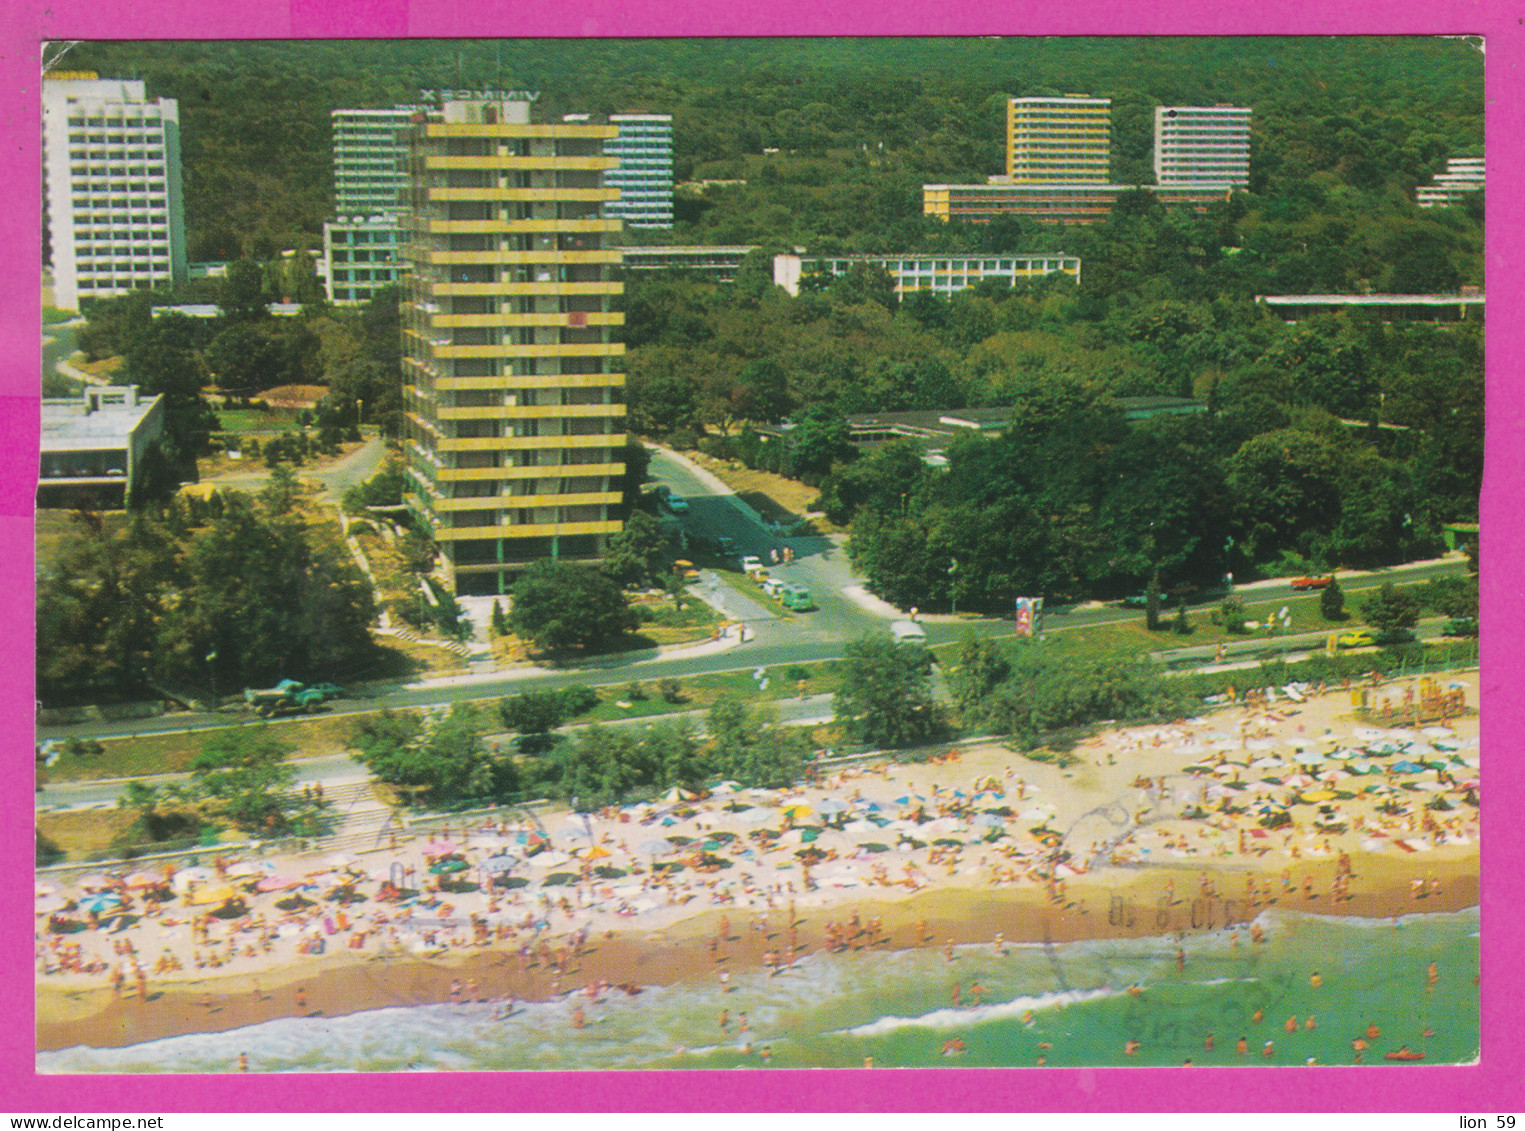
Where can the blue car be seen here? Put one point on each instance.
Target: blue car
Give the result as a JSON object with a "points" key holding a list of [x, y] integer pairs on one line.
{"points": [[677, 504]]}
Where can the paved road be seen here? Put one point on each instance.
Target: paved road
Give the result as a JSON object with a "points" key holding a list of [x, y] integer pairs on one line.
{"points": [[796, 638], [340, 768]]}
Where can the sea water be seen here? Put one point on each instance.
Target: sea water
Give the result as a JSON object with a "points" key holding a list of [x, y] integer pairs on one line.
{"points": [[1072, 1004]]}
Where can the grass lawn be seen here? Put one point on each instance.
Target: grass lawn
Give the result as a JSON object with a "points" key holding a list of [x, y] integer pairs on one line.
{"points": [[311, 736], [668, 625], [775, 497], [746, 586], [256, 420], [84, 833]]}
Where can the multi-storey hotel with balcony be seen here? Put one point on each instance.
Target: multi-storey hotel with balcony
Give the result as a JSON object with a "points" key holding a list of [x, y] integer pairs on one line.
{"points": [[644, 174], [515, 421], [1202, 145], [370, 184], [1058, 140], [112, 203]]}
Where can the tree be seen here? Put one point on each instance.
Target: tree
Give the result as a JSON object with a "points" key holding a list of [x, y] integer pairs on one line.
{"points": [[636, 556], [1390, 610], [1331, 602], [243, 293], [1152, 602], [241, 775], [534, 714], [885, 694], [750, 748], [560, 605], [442, 757]]}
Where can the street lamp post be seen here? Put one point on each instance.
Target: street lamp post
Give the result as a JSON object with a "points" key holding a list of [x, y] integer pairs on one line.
{"points": [[212, 675], [953, 584]]}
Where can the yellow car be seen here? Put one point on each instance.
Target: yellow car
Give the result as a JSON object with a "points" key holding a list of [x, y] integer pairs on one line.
{"points": [[1354, 640]]}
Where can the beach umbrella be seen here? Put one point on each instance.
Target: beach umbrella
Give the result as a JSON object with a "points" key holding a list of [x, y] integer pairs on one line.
{"points": [[597, 852], [548, 859], [48, 903], [575, 832], [1438, 732], [94, 882], [797, 810], [144, 880], [220, 893], [440, 848], [1401, 734], [495, 864], [44, 888], [1405, 767], [187, 878], [754, 816], [728, 787], [830, 806], [101, 901], [989, 821], [653, 847]]}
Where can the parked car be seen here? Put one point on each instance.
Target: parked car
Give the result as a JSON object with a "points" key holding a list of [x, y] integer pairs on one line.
{"points": [[907, 632], [1358, 639], [797, 598], [677, 504], [1303, 583]]}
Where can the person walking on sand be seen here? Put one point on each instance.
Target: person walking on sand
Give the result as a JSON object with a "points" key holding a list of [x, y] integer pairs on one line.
{"points": [[243, 1062], [301, 998]]}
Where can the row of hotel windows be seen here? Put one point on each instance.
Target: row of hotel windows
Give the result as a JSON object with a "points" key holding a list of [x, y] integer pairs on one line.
{"points": [[117, 123]]}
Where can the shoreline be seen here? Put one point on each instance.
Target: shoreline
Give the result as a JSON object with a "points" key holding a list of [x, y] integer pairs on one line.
{"points": [[1113, 903]]}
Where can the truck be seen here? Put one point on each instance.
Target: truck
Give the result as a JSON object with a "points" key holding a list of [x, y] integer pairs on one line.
{"points": [[290, 697]]}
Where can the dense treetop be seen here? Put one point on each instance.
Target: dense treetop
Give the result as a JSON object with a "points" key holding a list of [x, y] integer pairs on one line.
{"points": [[860, 123]]}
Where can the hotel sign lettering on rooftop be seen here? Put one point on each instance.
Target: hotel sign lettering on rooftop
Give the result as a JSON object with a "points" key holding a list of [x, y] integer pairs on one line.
{"points": [[439, 97]]}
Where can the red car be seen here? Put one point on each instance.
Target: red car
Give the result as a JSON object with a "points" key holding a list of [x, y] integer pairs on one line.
{"points": [[1312, 582]]}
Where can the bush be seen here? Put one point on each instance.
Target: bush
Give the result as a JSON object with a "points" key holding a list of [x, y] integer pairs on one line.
{"points": [[720, 447], [1331, 602], [578, 699], [683, 439], [1232, 612], [671, 690], [634, 692]]}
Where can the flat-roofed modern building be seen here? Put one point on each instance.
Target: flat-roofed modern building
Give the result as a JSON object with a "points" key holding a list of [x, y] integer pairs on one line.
{"points": [[1058, 140], [92, 445], [112, 198], [1390, 308], [1052, 204], [718, 264], [360, 244], [514, 414], [1463, 176], [937, 274], [371, 160], [1202, 145], [360, 256], [643, 147]]}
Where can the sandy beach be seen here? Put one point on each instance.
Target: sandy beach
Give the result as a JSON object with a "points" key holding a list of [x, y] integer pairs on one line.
{"points": [[1151, 830]]}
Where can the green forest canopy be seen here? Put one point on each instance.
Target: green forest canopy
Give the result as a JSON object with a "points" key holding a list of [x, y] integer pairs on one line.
{"points": [[862, 123]]}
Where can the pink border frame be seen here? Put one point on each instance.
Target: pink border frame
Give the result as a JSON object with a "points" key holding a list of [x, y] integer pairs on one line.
{"points": [[1493, 1086]]}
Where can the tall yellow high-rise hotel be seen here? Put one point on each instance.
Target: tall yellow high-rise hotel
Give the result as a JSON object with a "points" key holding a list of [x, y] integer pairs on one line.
{"points": [[1058, 140], [514, 410]]}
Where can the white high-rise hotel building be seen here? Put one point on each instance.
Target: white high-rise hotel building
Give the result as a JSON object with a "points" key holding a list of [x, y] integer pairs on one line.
{"points": [[112, 198], [643, 148], [1202, 145], [361, 244]]}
